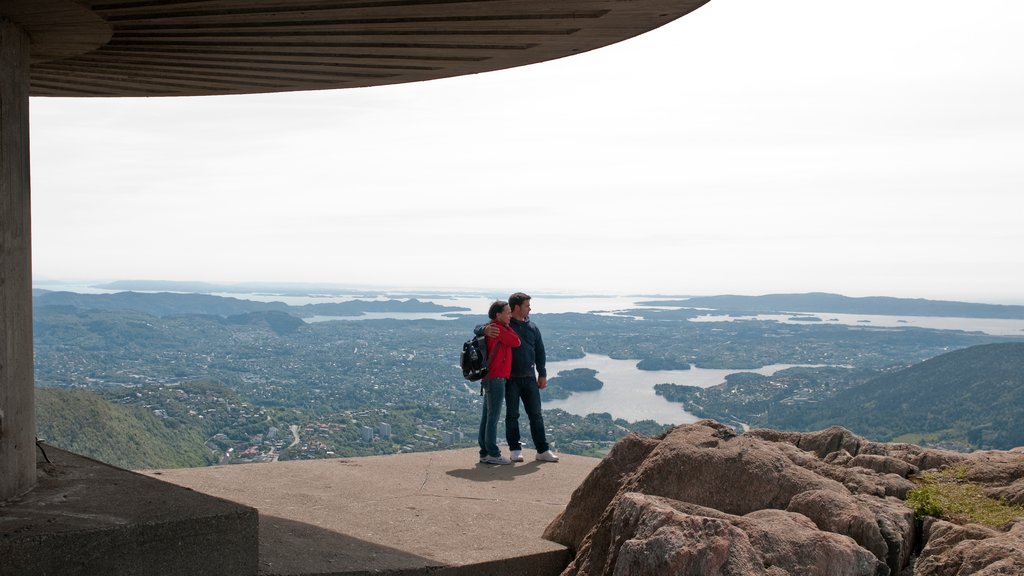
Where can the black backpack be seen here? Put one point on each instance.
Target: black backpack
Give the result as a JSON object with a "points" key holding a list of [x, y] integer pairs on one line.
{"points": [[474, 358]]}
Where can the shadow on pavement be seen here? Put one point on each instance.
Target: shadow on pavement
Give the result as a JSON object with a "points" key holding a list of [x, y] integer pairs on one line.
{"points": [[491, 472]]}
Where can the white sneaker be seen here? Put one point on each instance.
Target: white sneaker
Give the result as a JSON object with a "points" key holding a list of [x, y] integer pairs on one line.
{"points": [[495, 460], [548, 456], [517, 456]]}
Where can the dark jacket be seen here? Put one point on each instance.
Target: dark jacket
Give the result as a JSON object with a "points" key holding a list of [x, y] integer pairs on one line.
{"points": [[530, 353]]}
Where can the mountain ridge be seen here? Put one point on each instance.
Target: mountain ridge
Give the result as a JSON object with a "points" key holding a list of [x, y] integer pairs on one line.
{"points": [[173, 303]]}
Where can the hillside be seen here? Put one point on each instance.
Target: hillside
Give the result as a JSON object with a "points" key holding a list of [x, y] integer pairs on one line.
{"points": [[129, 437], [974, 395], [157, 304]]}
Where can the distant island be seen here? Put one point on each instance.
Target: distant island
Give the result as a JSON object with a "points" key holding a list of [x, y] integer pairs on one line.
{"points": [[837, 303], [569, 381], [269, 289], [171, 303]]}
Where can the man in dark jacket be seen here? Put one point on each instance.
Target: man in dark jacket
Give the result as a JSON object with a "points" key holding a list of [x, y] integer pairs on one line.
{"points": [[529, 377]]}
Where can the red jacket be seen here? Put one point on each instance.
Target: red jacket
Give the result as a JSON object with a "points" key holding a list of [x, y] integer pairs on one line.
{"points": [[499, 364]]}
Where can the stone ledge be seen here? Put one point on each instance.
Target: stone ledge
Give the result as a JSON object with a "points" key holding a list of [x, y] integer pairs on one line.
{"points": [[87, 518]]}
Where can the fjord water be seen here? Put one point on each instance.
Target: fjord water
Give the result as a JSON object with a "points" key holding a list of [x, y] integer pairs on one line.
{"points": [[628, 392], [614, 305]]}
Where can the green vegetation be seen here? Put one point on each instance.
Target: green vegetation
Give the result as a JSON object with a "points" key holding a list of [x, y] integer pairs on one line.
{"points": [[569, 381], [968, 398], [946, 494], [127, 436]]}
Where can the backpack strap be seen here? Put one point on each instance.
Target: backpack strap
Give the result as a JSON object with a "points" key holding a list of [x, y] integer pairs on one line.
{"points": [[488, 363]]}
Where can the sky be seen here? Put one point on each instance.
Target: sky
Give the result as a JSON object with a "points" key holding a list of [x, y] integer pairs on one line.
{"points": [[864, 148]]}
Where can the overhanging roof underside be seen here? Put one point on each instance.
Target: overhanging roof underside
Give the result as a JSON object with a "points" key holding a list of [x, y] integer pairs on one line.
{"points": [[188, 47]]}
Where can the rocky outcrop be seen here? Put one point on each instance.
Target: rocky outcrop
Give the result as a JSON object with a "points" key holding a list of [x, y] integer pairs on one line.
{"points": [[1014, 493], [702, 500], [652, 535], [954, 550], [590, 499]]}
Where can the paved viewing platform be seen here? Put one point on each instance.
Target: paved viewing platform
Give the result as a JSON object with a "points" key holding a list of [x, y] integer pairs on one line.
{"points": [[421, 513], [438, 513]]}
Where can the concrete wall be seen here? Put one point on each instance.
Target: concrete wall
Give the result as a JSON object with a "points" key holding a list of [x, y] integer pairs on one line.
{"points": [[17, 383]]}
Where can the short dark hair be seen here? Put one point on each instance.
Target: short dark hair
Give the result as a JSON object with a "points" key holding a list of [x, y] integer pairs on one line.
{"points": [[496, 307], [517, 299]]}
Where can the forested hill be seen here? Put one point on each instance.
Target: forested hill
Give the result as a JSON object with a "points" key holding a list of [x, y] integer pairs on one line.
{"points": [[836, 303], [172, 303], [976, 394], [127, 436]]}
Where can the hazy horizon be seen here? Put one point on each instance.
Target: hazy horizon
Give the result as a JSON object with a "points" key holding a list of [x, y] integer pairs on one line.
{"points": [[455, 290]]}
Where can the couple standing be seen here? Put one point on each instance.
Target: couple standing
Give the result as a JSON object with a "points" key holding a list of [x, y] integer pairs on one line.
{"points": [[515, 348]]}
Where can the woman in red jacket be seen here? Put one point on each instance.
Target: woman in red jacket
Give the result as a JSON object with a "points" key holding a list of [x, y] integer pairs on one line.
{"points": [[499, 368]]}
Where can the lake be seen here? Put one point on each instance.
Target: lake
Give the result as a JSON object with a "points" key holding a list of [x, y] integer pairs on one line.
{"points": [[628, 392]]}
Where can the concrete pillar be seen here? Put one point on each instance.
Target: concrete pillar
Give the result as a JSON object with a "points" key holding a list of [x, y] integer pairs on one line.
{"points": [[17, 381]]}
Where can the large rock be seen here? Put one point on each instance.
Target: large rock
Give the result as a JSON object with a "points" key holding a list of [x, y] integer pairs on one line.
{"points": [[650, 535], [590, 499], [838, 439], [821, 443], [954, 550], [884, 526], [1012, 494], [883, 464], [792, 543], [702, 500], [641, 534], [841, 467], [922, 458], [842, 514], [709, 465], [993, 468]]}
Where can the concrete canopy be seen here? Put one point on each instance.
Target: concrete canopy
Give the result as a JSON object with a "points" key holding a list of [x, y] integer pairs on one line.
{"points": [[202, 47], [205, 47]]}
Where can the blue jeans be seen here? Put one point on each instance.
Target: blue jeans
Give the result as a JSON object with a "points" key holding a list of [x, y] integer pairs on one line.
{"points": [[527, 390], [494, 392]]}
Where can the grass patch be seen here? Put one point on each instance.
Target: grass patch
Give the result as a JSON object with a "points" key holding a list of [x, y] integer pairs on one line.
{"points": [[946, 494]]}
